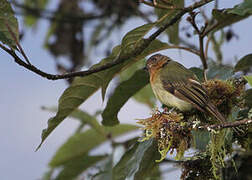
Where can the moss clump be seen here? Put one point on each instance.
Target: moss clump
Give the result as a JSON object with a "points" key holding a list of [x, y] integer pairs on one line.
{"points": [[167, 129], [224, 94]]}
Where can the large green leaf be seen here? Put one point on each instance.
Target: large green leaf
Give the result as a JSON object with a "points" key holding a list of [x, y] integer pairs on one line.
{"points": [[81, 143], [132, 38], [75, 167], [76, 94], [138, 162], [244, 64], [226, 17], [148, 168], [242, 9], [249, 79], [84, 118], [7, 19], [121, 95]]}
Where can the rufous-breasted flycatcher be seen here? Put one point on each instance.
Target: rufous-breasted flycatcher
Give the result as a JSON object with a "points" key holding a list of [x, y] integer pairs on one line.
{"points": [[176, 86]]}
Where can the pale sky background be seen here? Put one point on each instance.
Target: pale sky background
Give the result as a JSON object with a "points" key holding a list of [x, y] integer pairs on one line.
{"points": [[23, 93]]}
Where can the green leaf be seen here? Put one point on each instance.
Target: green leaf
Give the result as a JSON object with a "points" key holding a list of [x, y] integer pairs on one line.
{"points": [[226, 17], [249, 79], [219, 71], [121, 95], [84, 117], [248, 98], [244, 64], [148, 168], [138, 162], [78, 92], [173, 31], [81, 143], [76, 166], [8, 20], [132, 38], [242, 9]]}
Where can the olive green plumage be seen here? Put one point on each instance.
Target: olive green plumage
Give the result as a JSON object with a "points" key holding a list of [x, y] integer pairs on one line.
{"points": [[176, 86]]}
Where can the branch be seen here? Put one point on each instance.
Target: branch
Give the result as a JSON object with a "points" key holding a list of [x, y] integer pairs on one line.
{"points": [[210, 127], [244, 122], [201, 34], [119, 59]]}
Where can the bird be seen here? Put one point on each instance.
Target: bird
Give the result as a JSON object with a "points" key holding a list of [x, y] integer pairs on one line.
{"points": [[178, 87]]}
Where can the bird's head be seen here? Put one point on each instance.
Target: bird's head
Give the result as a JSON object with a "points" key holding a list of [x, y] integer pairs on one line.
{"points": [[156, 62]]}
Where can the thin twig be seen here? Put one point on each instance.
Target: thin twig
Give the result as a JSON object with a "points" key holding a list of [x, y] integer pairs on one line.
{"points": [[186, 49], [207, 45], [119, 59], [210, 29], [201, 35]]}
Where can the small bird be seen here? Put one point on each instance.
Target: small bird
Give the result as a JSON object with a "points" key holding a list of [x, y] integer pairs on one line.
{"points": [[176, 86]]}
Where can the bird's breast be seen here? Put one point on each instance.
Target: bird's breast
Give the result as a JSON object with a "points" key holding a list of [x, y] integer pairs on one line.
{"points": [[167, 98]]}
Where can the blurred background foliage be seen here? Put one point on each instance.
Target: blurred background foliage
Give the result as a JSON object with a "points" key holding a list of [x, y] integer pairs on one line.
{"points": [[67, 38]]}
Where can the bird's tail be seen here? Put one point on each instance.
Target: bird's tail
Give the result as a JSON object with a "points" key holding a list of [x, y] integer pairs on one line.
{"points": [[214, 111]]}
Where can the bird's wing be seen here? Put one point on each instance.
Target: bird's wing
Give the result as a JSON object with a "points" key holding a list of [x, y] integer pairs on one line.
{"points": [[188, 88]]}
